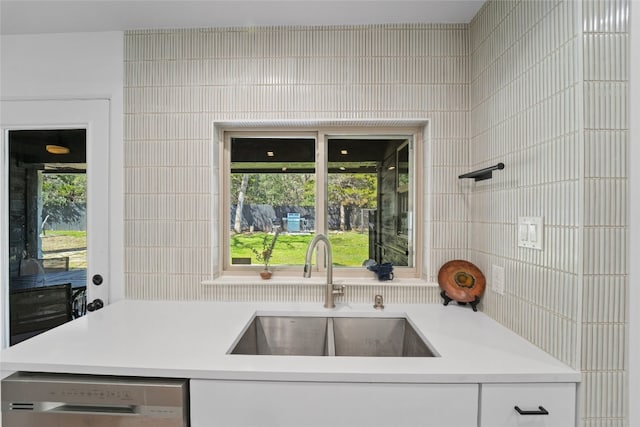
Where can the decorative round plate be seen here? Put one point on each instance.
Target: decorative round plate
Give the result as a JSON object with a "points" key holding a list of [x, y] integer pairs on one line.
{"points": [[461, 280]]}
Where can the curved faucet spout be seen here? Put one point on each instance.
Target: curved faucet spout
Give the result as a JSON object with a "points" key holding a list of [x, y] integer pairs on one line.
{"points": [[330, 290]]}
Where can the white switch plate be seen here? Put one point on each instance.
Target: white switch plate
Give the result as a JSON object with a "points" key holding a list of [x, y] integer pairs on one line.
{"points": [[530, 232], [497, 279]]}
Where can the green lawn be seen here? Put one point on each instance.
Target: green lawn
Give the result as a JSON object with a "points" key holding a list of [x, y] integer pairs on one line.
{"points": [[66, 243], [350, 249]]}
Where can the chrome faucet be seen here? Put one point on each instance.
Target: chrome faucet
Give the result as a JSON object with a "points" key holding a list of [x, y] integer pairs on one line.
{"points": [[330, 290]]}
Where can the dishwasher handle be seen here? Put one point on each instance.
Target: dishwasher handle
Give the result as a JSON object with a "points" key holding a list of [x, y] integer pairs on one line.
{"points": [[76, 408], [95, 409]]}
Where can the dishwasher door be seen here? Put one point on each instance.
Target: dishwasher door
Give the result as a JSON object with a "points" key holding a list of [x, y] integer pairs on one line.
{"points": [[66, 400]]}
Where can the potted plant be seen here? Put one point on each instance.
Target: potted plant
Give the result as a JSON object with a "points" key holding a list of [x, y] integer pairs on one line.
{"points": [[264, 255]]}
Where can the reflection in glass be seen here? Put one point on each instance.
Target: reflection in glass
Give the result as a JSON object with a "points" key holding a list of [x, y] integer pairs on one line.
{"points": [[369, 200], [47, 247]]}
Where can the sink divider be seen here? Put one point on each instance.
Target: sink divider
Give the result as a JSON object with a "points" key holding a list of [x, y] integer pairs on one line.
{"points": [[331, 342]]}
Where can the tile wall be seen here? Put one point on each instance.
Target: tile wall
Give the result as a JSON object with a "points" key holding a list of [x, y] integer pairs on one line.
{"points": [[548, 98], [525, 112], [538, 85], [605, 25], [178, 83]]}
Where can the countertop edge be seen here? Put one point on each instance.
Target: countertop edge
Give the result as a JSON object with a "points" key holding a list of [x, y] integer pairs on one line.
{"points": [[223, 375]]}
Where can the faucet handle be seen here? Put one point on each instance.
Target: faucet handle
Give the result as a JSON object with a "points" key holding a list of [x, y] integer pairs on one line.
{"points": [[338, 290], [378, 303]]}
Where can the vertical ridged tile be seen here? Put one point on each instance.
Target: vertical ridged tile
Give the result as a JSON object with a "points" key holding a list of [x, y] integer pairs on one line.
{"points": [[177, 83], [605, 299], [522, 103], [507, 88], [605, 337], [606, 153], [313, 293], [548, 95]]}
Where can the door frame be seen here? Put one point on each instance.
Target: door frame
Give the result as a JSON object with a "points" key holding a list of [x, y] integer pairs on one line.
{"points": [[94, 116]]}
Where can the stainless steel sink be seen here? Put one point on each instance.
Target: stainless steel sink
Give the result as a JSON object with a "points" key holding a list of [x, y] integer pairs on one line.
{"points": [[332, 336], [377, 337], [284, 335]]}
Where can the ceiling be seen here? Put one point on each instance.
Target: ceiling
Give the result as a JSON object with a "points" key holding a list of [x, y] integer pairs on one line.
{"points": [[53, 16], [298, 155], [28, 149]]}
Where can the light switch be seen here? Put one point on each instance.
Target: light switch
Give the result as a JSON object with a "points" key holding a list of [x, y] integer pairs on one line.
{"points": [[530, 230], [523, 232], [533, 234]]}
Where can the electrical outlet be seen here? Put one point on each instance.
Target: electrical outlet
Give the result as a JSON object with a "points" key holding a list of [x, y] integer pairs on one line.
{"points": [[497, 279]]}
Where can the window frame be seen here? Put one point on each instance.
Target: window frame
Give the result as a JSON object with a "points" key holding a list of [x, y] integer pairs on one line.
{"points": [[322, 135]]}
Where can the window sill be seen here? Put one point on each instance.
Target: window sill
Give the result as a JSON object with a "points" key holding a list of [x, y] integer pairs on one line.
{"points": [[315, 281]]}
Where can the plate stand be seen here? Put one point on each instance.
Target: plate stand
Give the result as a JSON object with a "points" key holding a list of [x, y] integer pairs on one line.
{"points": [[473, 303]]}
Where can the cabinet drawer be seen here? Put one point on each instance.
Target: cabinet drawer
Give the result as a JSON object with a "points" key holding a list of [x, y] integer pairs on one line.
{"points": [[304, 404], [498, 403]]}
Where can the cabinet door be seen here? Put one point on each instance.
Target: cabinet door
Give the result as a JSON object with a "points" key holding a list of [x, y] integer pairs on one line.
{"points": [[305, 404], [499, 402]]}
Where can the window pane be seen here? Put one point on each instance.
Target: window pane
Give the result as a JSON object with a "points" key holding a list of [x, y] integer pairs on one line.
{"points": [[370, 200], [272, 193], [352, 199]]}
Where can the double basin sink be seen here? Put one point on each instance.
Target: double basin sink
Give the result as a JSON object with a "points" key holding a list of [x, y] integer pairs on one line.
{"points": [[293, 335]]}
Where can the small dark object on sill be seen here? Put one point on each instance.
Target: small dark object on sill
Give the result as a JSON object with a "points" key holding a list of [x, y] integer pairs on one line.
{"points": [[384, 271]]}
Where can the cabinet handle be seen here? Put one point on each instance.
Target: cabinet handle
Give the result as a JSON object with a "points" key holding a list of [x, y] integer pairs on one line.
{"points": [[540, 411]]}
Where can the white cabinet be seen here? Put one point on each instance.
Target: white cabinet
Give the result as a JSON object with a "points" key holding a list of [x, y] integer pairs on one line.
{"points": [[498, 403], [309, 404], [320, 404]]}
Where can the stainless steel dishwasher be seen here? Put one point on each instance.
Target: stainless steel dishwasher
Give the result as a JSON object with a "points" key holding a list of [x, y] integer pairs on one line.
{"points": [[65, 400]]}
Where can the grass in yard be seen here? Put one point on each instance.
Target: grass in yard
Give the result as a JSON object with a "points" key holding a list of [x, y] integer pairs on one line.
{"points": [[66, 243], [350, 249], [70, 234]]}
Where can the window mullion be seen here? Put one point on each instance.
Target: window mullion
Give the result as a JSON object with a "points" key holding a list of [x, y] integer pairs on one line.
{"points": [[225, 180]]}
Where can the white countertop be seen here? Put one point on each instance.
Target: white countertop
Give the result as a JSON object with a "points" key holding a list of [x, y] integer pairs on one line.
{"points": [[191, 340]]}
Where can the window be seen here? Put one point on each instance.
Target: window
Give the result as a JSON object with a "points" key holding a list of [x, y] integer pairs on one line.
{"points": [[358, 188]]}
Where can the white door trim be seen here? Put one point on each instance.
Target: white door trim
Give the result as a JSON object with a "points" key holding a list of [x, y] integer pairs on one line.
{"points": [[94, 115]]}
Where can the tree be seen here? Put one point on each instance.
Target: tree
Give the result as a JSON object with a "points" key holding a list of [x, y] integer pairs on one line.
{"points": [[237, 227], [275, 189], [346, 190], [64, 196], [352, 189]]}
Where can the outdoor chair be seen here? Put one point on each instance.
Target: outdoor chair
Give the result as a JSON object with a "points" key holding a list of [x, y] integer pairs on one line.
{"points": [[36, 310], [79, 302]]}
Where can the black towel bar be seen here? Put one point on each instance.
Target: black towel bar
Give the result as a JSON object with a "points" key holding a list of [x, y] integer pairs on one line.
{"points": [[482, 174]]}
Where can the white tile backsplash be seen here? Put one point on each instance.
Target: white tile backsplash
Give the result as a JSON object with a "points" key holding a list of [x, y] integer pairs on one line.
{"points": [[539, 85], [179, 82], [549, 96]]}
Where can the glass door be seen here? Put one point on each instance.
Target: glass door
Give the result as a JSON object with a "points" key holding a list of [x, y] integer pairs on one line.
{"points": [[55, 237]]}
